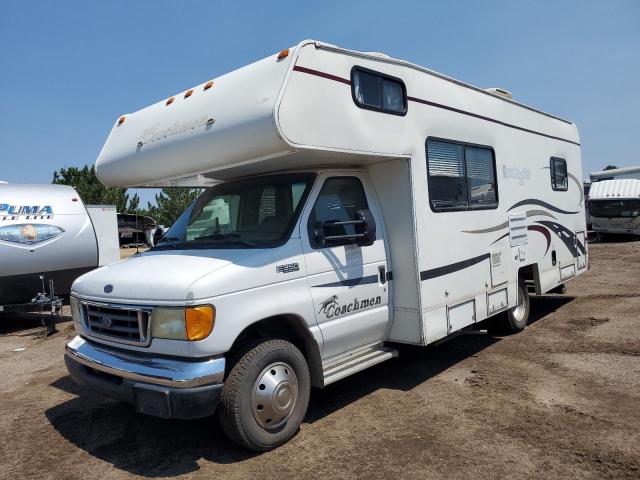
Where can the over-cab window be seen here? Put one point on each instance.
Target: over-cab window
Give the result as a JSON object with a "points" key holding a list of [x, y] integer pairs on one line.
{"points": [[559, 175], [377, 91], [461, 176]]}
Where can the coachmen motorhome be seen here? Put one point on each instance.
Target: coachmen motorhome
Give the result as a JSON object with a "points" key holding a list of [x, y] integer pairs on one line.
{"points": [[614, 207], [355, 202], [46, 231]]}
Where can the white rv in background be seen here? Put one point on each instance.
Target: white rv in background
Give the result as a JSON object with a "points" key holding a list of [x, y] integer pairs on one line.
{"points": [[614, 206], [46, 231], [354, 201], [623, 173]]}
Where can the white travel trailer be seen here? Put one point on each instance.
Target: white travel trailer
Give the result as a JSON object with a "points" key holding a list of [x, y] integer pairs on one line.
{"points": [[46, 231], [614, 206], [357, 201]]}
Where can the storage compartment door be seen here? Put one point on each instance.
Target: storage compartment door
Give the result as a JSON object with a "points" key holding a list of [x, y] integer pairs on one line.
{"points": [[461, 315]]}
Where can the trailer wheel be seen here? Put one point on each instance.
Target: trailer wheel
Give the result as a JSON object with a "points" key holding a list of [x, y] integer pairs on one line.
{"points": [[515, 319], [265, 395]]}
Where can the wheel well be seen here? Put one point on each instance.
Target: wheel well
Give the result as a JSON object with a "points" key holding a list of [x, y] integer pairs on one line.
{"points": [[529, 275], [290, 328]]}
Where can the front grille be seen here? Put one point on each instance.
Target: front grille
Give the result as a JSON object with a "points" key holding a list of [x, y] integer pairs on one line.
{"points": [[126, 324]]}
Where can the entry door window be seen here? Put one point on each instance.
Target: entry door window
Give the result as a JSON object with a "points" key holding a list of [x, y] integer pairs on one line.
{"points": [[338, 201]]}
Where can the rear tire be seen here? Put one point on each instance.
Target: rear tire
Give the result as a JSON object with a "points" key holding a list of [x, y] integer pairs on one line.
{"points": [[265, 395], [515, 319]]}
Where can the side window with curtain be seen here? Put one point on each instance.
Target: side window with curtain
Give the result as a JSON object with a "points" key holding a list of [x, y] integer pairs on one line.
{"points": [[461, 176], [559, 180], [376, 91]]}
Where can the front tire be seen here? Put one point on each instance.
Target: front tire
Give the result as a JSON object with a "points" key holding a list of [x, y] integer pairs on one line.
{"points": [[265, 395]]}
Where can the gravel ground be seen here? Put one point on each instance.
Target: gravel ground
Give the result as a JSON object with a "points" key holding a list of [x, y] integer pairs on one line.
{"points": [[560, 400]]}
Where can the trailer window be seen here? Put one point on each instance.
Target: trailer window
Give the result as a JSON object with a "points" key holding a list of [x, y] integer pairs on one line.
{"points": [[376, 91], [461, 176], [559, 179]]}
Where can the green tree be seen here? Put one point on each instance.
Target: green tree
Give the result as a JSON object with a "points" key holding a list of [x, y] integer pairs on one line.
{"points": [[91, 191], [170, 203]]}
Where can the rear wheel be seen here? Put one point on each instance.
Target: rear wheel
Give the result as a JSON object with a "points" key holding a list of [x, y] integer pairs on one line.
{"points": [[265, 395], [514, 320]]}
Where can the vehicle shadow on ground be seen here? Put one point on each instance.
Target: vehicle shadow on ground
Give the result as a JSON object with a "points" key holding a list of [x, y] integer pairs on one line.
{"points": [[25, 324], [152, 447]]}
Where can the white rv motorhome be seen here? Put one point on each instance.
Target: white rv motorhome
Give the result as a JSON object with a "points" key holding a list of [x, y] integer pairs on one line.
{"points": [[614, 206], [356, 201], [46, 231]]}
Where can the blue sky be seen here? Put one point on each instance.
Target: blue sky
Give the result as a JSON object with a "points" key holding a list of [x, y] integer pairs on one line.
{"points": [[69, 68]]}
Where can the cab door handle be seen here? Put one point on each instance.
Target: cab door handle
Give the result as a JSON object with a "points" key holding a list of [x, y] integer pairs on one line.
{"points": [[382, 274]]}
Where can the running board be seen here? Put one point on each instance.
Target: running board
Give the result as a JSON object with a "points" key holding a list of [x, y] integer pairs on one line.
{"points": [[353, 364]]}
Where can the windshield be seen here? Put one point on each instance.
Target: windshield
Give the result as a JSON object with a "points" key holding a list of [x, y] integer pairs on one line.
{"points": [[614, 208], [254, 213]]}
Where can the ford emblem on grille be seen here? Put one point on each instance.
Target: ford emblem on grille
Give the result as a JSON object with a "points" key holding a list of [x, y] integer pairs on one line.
{"points": [[108, 288], [105, 322]]}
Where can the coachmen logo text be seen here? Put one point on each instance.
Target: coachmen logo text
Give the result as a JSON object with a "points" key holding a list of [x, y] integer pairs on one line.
{"points": [[156, 133], [331, 308], [28, 212]]}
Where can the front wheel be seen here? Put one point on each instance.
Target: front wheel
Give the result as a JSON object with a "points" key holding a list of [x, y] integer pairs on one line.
{"points": [[265, 395]]}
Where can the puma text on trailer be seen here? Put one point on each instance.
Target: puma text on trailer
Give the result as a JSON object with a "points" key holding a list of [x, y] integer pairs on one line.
{"points": [[355, 201]]}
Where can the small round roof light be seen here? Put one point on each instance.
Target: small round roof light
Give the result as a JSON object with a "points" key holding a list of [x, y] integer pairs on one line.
{"points": [[208, 85], [188, 93], [170, 100]]}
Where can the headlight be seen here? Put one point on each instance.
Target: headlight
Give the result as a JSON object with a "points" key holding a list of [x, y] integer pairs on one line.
{"points": [[75, 309], [178, 323]]}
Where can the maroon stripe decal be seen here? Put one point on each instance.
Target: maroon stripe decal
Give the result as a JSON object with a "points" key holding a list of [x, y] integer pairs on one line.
{"points": [[318, 73], [543, 231], [488, 119], [335, 78]]}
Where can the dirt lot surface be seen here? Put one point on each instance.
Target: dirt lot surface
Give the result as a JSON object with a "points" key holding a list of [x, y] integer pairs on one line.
{"points": [[560, 400]]}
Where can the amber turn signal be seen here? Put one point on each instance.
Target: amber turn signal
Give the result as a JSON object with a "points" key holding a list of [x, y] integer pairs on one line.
{"points": [[283, 54], [199, 321]]}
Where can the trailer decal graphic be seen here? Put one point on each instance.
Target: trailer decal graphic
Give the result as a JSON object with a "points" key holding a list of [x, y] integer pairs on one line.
{"points": [[335, 78], [29, 233], [530, 213], [454, 267], [351, 282], [14, 212], [535, 201], [567, 237], [543, 231], [331, 308]]}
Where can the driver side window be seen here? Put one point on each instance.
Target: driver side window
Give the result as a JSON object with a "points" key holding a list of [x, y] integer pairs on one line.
{"points": [[338, 201]]}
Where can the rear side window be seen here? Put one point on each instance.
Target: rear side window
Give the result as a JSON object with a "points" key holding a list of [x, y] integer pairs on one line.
{"points": [[461, 176], [559, 175], [377, 91]]}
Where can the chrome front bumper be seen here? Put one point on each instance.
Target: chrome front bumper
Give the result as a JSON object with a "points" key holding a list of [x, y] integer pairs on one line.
{"points": [[158, 386], [145, 368]]}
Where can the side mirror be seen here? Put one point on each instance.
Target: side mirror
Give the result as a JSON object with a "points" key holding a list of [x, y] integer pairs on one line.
{"points": [[365, 226]]}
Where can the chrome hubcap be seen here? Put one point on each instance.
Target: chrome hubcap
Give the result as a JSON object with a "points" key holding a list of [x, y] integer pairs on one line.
{"points": [[519, 310], [274, 395]]}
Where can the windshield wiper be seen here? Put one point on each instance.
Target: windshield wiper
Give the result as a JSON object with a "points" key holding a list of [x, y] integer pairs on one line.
{"points": [[222, 238]]}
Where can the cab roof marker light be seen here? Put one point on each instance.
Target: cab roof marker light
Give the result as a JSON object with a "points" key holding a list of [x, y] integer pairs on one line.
{"points": [[170, 100], [283, 54], [188, 93], [208, 85], [121, 120]]}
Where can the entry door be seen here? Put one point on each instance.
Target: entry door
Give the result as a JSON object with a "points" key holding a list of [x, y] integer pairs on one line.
{"points": [[348, 283]]}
